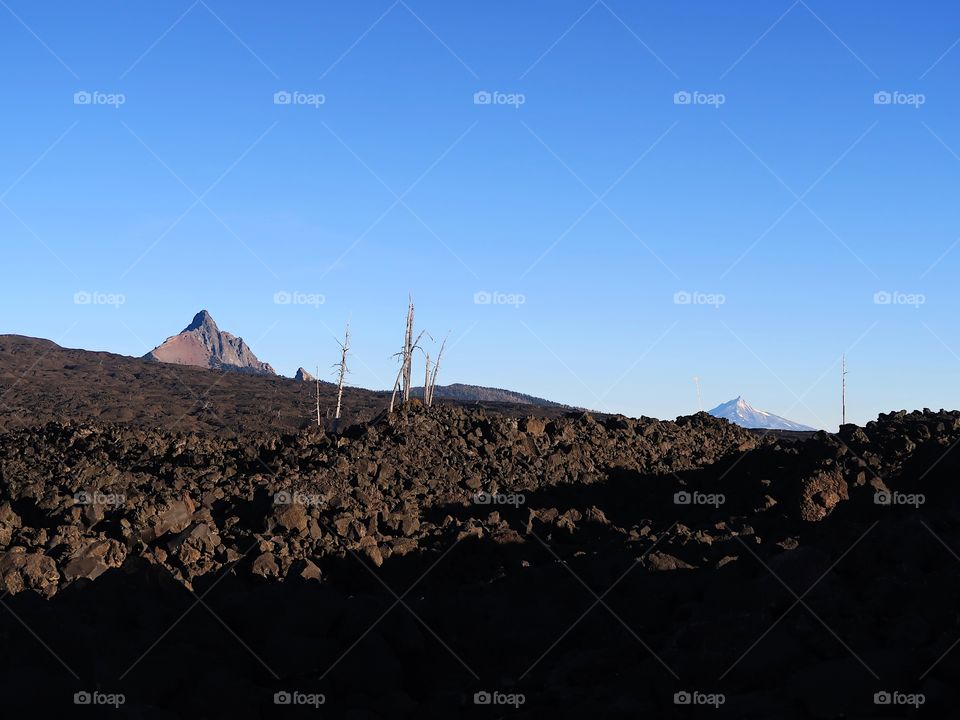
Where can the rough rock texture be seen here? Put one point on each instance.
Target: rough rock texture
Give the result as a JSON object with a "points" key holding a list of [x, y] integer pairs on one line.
{"points": [[203, 344], [597, 567], [303, 376]]}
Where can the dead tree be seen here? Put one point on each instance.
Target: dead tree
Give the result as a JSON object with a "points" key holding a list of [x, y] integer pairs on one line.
{"points": [[426, 379], [405, 374], [317, 378], [404, 354], [843, 390], [408, 346], [344, 349], [431, 384]]}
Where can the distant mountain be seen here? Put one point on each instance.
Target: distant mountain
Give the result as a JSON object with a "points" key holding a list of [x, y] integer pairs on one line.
{"points": [[203, 344], [740, 412], [476, 393], [303, 376]]}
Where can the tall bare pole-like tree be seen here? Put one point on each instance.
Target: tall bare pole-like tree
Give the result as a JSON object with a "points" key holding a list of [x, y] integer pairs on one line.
{"points": [[317, 378], [342, 365], [431, 385], [408, 354], [405, 374], [426, 378], [404, 354], [843, 390]]}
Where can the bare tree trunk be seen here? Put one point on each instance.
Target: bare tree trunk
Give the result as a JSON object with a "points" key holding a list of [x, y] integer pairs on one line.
{"points": [[408, 354], [405, 375], [396, 386], [345, 348], [843, 392], [426, 380], [432, 381], [317, 378]]}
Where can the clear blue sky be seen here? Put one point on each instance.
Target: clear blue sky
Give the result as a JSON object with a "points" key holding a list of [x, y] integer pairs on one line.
{"points": [[796, 200]]}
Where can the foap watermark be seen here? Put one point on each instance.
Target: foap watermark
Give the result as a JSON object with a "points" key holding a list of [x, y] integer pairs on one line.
{"points": [[485, 97], [84, 297], [99, 498], [296, 97], [485, 297], [895, 297], [485, 498], [894, 498], [895, 97], [696, 97], [284, 297], [95, 97], [114, 700], [698, 498], [694, 697], [885, 697], [683, 297], [285, 697], [295, 497], [484, 697]]}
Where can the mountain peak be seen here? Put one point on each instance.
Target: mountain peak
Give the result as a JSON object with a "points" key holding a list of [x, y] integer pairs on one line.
{"points": [[203, 344], [303, 376], [740, 412], [202, 319]]}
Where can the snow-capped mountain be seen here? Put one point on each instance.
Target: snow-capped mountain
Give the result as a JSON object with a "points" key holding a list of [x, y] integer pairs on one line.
{"points": [[740, 412]]}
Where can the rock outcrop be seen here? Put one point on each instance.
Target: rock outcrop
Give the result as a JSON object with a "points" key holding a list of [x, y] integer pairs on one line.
{"points": [[303, 376], [203, 344]]}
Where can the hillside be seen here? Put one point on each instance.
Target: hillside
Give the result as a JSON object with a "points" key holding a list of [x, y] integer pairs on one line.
{"points": [[479, 394], [41, 381]]}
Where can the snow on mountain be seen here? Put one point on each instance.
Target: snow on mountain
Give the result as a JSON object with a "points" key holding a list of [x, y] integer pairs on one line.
{"points": [[740, 412]]}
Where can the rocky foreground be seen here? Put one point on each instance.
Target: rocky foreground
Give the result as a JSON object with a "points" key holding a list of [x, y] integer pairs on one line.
{"points": [[441, 563]]}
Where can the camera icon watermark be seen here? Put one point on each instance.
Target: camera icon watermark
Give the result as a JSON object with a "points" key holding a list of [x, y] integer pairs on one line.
{"points": [[695, 97], [694, 697], [698, 498], [884, 697], [114, 700], [284, 297], [85, 297], [99, 498], [895, 297], [514, 499], [285, 697], [895, 97], [894, 498], [95, 97], [484, 697], [684, 297], [295, 97], [295, 497], [485, 97], [495, 297]]}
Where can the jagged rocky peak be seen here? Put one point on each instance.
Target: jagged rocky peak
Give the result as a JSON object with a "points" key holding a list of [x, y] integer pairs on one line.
{"points": [[303, 376], [203, 344]]}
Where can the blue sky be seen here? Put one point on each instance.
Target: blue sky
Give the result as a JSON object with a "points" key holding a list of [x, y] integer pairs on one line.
{"points": [[587, 199]]}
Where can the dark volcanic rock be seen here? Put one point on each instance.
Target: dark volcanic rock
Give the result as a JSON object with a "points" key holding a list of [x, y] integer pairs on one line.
{"points": [[391, 564], [303, 376]]}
